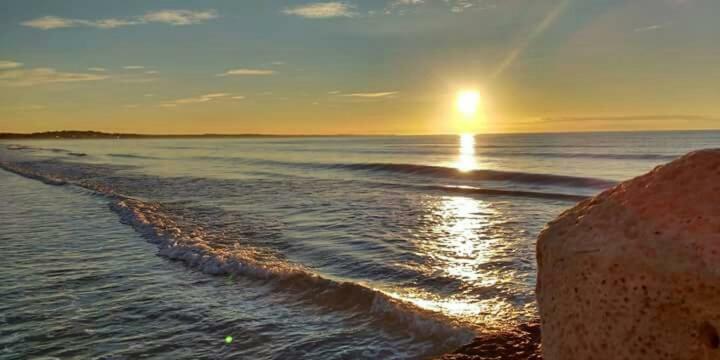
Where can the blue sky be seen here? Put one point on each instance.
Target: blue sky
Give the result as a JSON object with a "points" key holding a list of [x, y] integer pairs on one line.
{"points": [[374, 66]]}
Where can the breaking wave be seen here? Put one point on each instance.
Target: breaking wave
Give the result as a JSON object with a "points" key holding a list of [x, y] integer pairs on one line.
{"points": [[178, 238]]}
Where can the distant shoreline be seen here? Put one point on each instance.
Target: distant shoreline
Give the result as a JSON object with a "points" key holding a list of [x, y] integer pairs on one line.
{"points": [[79, 135], [103, 135]]}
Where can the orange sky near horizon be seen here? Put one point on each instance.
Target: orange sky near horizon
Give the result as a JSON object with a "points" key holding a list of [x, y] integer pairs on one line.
{"points": [[375, 67]]}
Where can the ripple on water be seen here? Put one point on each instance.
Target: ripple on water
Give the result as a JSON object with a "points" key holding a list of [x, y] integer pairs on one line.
{"points": [[77, 283]]}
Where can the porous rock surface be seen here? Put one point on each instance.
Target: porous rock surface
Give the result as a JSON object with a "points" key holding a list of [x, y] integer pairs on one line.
{"points": [[634, 273]]}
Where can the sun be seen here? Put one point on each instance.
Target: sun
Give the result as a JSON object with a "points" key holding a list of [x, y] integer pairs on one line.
{"points": [[467, 102]]}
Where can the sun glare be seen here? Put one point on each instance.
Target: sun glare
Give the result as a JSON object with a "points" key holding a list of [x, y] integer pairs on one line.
{"points": [[467, 102], [466, 161]]}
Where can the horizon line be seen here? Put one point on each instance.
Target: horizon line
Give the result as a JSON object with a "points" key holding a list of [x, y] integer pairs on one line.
{"points": [[97, 133], [250, 134]]}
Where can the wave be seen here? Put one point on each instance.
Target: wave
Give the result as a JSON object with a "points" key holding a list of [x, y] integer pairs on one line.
{"points": [[470, 190], [582, 155], [178, 238], [483, 175], [17, 147], [131, 156], [438, 171]]}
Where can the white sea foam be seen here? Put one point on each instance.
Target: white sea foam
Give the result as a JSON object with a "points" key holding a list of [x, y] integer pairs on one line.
{"points": [[186, 242]]}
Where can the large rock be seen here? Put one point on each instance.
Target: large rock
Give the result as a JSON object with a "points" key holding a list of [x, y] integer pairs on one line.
{"points": [[634, 273]]}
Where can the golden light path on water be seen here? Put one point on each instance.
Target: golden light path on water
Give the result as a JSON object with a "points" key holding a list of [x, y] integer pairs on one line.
{"points": [[464, 234], [466, 160]]}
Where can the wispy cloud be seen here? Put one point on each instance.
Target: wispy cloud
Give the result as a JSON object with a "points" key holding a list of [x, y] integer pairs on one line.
{"points": [[371, 94], [133, 67], [322, 10], [151, 72], [395, 4], [238, 97], [407, 2], [134, 79], [631, 118], [39, 76], [4, 64], [196, 100], [97, 69], [24, 108], [170, 17], [180, 17], [649, 28], [457, 6], [461, 6], [247, 72], [54, 22]]}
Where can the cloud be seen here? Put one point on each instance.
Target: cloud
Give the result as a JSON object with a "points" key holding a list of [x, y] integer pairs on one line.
{"points": [[401, 3], [247, 72], [216, 95], [371, 94], [134, 80], [196, 100], [4, 64], [151, 72], [170, 17], [631, 118], [277, 63], [461, 6], [108, 23], [649, 28], [408, 2], [334, 92], [39, 76], [55, 22], [180, 17], [133, 67], [51, 22], [97, 69], [238, 97], [456, 6], [321, 10], [24, 108]]}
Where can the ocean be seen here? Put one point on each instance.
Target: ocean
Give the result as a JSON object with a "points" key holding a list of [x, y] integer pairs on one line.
{"points": [[386, 247]]}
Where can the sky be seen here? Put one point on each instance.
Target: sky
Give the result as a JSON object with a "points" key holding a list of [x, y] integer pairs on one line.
{"points": [[358, 66]]}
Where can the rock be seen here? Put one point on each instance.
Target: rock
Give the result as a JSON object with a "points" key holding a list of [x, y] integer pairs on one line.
{"points": [[634, 273]]}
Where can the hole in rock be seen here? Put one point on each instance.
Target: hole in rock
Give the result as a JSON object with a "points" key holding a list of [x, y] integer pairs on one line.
{"points": [[709, 335]]}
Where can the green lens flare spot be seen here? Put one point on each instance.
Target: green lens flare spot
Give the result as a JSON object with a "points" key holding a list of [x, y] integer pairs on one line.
{"points": [[228, 339]]}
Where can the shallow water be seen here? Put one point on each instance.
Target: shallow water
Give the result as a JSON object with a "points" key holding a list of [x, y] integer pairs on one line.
{"points": [[338, 247]]}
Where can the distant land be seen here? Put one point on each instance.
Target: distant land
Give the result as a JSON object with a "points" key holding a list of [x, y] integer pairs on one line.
{"points": [[78, 134], [74, 134]]}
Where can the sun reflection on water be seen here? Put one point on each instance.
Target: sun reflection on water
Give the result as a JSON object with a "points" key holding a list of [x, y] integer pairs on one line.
{"points": [[466, 161], [466, 243]]}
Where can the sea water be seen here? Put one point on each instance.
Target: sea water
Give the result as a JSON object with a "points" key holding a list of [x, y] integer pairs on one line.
{"points": [[288, 247]]}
